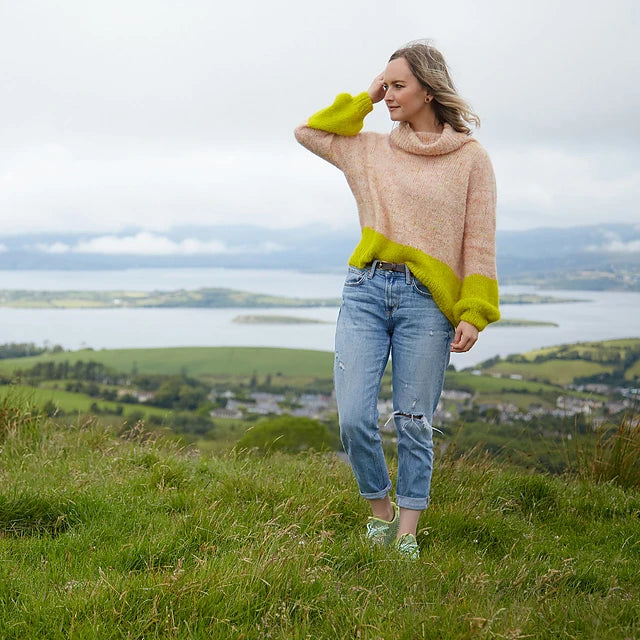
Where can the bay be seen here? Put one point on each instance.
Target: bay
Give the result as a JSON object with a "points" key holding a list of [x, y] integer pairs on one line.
{"points": [[604, 314]]}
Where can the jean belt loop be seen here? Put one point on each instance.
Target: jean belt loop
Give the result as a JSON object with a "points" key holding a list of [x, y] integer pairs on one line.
{"points": [[372, 268], [407, 274]]}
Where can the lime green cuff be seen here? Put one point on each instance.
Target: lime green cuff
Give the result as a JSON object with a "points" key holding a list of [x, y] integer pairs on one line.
{"points": [[478, 303], [345, 116]]}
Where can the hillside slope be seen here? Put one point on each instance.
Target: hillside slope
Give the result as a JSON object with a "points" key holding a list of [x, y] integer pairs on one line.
{"points": [[114, 535]]}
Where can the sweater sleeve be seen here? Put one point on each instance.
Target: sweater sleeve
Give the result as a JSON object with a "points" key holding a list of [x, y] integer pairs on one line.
{"points": [[478, 301], [331, 131]]}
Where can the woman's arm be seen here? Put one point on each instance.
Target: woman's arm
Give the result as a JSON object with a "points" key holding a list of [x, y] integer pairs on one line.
{"points": [[331, 132], [327, 131]]}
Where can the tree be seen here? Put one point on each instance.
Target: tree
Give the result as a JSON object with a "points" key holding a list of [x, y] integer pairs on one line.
{"points": [[289, 433]]}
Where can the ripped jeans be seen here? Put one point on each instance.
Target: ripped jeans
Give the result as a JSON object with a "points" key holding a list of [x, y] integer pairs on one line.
{"points": [[382, 313]]}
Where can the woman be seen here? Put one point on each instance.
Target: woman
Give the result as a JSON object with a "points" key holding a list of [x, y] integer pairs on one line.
{"points": [[422, 281]]}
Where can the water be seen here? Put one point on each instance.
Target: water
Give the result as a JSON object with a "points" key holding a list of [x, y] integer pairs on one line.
{"points": [[603, 316]]}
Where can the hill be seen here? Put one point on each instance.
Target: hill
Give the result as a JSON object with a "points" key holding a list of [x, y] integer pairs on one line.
{"points": [[610, 362], [110, 534], [521, 408], [197, 361]]}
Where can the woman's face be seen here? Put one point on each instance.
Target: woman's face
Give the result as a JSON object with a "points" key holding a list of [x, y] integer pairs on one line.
{"points": [[405, 96]]}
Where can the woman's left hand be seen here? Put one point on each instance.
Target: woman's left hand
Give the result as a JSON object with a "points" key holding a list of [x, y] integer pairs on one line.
{"points": [[466, 336], [376, 91]]}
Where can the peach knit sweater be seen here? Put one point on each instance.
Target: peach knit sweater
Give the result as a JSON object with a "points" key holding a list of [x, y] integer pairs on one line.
{"points": [[424, 199]]}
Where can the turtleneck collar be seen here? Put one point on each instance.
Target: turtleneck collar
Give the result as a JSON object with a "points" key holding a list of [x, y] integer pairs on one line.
{"points": [[427, 143]]}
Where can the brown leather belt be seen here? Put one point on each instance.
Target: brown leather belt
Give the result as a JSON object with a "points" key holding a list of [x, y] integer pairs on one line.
{"points": [[390, 266]]}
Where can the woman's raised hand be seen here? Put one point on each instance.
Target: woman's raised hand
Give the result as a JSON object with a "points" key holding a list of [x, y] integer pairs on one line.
{"points": [[375, 91]]}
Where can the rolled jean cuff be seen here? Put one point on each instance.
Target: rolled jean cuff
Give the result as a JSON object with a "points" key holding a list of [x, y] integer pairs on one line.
{"points": [[378, 495], [417, 504]]}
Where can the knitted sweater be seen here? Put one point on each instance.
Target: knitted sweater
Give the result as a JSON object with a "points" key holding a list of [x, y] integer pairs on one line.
{"points": [[424, 199]]}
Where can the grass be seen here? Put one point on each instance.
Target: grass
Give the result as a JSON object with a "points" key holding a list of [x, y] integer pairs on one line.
{"points": [[552, 371], [633, 372], [612, 455], [522, 400], [488, 384], [196, 361], [121, 535], [602, 350], [71, 402]]}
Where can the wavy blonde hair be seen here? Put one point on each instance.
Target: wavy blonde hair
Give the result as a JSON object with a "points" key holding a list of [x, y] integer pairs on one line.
{"points": [[428, 66]]}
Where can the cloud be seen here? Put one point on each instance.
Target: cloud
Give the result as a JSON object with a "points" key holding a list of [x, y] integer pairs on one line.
{"points": [[150, 244], [277, 186], [55, 248], [182, 113], [547, 186], [285, 186], [616, 246]]}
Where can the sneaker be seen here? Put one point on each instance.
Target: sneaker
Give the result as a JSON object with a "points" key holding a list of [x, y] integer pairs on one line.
{"points": [[382, 532], [407, 546]]}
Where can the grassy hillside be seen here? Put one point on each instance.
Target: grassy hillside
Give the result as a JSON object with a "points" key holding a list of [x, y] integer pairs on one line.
{"points": [[115, 535], [559, 371], [196, 361], [609, 360], [67, 401]]}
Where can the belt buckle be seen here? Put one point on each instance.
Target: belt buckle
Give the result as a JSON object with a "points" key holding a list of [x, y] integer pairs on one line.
{"points": [[386, 266]]}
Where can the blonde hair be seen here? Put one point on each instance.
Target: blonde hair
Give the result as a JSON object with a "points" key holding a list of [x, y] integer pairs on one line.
{"points": [[428, 66]]}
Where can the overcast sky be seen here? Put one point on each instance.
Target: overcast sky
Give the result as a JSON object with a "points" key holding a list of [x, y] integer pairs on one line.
{"points": [[154, 113]]}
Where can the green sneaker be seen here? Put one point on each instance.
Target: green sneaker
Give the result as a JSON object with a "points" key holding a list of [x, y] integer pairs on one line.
{"points": [[407, 546], [382, 532]]}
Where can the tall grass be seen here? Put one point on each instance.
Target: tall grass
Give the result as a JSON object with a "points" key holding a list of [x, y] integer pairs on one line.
{"points": [[608, 454], [112, 534], [20, 417]]}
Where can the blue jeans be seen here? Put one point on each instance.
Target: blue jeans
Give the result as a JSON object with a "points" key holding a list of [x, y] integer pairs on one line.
{"points": [[382, 313]]}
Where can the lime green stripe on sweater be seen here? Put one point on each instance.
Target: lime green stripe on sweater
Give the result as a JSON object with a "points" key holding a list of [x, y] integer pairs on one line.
{"points": [[475, 300]]}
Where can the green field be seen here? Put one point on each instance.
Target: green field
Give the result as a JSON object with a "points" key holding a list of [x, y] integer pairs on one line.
{"points": [[522, 400], [488, 384], [73, 402], [553, 371], [593, 350], [197, 361], [633, 372], [296, 368]]}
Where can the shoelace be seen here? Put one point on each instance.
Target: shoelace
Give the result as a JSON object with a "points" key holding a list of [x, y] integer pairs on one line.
{"points": [[408, 546]]}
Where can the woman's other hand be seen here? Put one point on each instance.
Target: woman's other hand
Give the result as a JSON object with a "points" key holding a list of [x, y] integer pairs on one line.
{"points": [[466, 336], [375, 91]]}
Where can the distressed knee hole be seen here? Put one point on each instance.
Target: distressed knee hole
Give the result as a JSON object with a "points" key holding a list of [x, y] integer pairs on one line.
{"points": [[416, 419]]}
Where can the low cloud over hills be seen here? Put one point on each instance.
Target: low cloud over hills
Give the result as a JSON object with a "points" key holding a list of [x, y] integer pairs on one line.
{"points": [[519, 252]]}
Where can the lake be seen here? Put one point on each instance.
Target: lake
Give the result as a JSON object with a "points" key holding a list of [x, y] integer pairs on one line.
{"points": [[603, 316]]}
